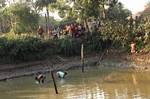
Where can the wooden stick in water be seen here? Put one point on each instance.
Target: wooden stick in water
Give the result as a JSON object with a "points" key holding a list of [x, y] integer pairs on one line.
{"points": [[54, 82], [82, 57]]}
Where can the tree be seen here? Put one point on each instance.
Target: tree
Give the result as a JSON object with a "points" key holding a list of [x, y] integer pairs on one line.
{"points": [[144, 24], [2, 3], [115, 25], [22, 18], [81, 10], [51, 20], [41, 4], [118, 13], [2, 18], [110, 14]]}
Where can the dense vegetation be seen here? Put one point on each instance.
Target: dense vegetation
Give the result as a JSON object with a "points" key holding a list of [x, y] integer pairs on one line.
{"points": [[19, 48], [107, 24]]}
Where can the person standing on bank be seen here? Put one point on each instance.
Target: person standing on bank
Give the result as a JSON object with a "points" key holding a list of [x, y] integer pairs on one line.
{"points": [[40, 32], [133, 47]]}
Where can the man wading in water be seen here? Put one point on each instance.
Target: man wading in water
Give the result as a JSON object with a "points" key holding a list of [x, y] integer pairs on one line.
{"points": [[40, 78], [61, 74]]}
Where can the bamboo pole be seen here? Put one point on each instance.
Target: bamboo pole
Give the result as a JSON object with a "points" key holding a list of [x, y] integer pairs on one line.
{"points": [[55, 86], [82, 57], [46, 25]]}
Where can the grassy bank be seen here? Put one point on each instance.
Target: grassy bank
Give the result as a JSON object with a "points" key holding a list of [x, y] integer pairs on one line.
{"points": [[25, 48]]}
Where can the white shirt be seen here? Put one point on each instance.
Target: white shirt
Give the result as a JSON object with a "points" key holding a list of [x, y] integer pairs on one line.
{"points": [[60, 74]]}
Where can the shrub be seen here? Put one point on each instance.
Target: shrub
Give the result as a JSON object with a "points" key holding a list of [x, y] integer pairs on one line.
{"points": [[93, 44], [68, 46], [28, 48], [25, 48]]}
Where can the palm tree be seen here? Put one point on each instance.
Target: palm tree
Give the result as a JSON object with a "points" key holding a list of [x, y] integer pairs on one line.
{"points": [[41, 4], [2, 6]]}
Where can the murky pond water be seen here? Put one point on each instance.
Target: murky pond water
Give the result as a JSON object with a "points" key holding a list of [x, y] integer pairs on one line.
{"points": [[95, 83]]}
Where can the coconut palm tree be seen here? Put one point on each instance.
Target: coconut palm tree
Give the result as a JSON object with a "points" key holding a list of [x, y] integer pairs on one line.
{"points": [[41, 4]]}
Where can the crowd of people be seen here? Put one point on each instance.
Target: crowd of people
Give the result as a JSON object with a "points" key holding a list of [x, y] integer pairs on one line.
{"points": [[74, 30]]}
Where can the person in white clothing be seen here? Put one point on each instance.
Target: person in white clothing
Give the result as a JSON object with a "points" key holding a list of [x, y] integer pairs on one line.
{"points": [[61, 74]]}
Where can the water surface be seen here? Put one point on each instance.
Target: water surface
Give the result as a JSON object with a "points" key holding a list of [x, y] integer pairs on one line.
{"points": [[95, 83]]}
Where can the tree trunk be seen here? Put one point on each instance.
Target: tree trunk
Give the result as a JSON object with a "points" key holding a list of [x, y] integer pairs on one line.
{"points": [[104, 15], [47, 14], [46, 25], [86, 25], [0, 27], [47, 18]]}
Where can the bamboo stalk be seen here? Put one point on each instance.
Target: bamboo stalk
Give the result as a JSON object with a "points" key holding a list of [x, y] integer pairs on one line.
{"points": [[82, 57], [55, 86]]}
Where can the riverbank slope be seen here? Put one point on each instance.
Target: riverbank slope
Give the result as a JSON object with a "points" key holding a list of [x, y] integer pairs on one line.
{"points": [[137, 62]]}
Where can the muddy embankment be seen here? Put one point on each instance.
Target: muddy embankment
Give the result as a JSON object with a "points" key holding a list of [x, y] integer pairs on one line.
{"points": [[117, 60]]}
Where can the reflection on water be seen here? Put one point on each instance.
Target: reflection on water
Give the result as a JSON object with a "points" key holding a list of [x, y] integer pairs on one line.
{"points": [[93, 84]]}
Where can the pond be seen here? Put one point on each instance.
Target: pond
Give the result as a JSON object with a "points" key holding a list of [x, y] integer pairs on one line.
{"points": [[95, 83]]}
